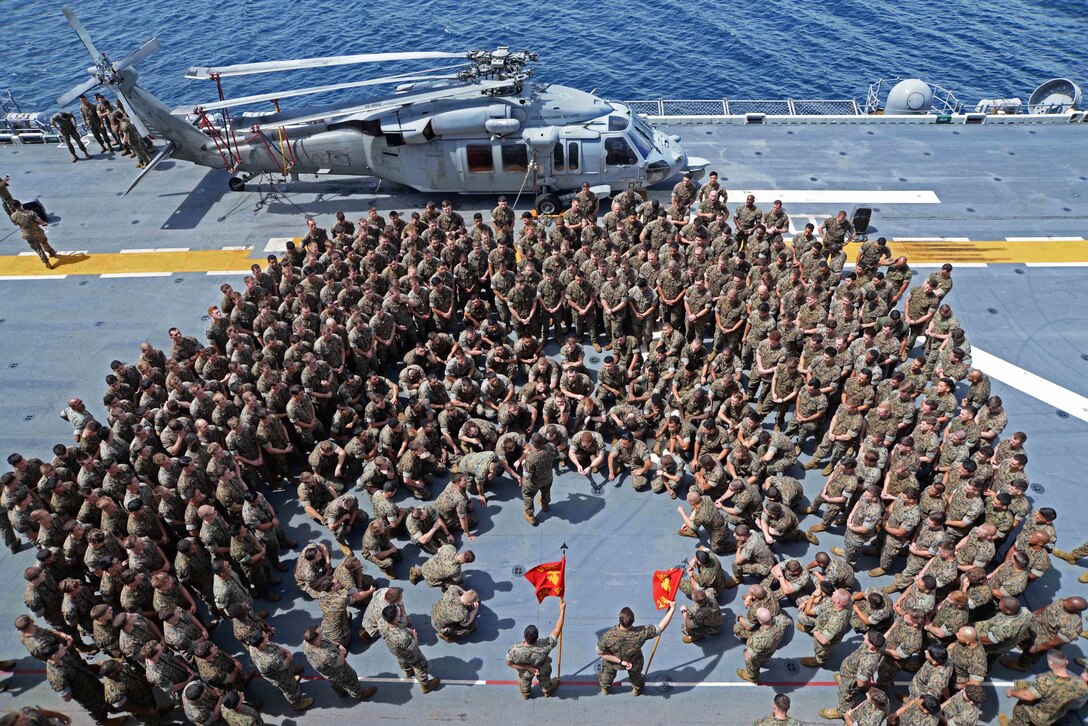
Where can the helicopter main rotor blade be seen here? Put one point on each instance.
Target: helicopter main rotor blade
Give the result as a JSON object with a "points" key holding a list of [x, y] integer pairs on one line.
{"points": [[142, 52], [245, 69], [247, 100], [76, 92], [81, 31], [389, 101], [131, 112]]}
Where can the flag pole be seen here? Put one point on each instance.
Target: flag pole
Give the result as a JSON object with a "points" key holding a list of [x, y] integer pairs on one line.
{"points": [[654, 651], [562, 599], [657, 642]]}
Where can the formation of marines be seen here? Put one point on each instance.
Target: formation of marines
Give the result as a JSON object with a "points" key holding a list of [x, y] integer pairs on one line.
{"points": [[410, 356]]}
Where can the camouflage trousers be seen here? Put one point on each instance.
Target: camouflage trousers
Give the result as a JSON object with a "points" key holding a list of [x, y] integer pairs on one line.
{"points": [[913, 567], [751, 568], [530, 490], [609, 671], [832, 513], [415, 666], [848, 692], [829, 448], [42, 248], [525, 679], [344, 679], [287, 684], [753, 661], [892, 548]]}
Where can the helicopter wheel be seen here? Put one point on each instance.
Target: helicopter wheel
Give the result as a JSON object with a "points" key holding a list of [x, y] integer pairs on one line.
{"points": [[237, 184], [547, 204]]}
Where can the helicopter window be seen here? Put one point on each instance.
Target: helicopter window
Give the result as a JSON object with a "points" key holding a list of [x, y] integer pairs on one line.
{"points": [[515, 157], [480, 158], [572, 156], [643, 146], [557, 158], [618, 152], [394, 138], [618, 123]]}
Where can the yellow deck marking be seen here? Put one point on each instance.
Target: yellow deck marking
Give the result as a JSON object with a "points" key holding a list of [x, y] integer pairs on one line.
{"points": [[992, 252], [114, 263]]}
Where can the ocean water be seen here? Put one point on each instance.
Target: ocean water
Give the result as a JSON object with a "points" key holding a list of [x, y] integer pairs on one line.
{"points": [[625, 50]]}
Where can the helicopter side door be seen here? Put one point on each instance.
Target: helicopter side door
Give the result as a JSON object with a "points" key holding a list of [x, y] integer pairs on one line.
{"points": [[575, 161]]}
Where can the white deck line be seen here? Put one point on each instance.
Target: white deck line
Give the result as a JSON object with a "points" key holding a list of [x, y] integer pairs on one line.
{"points": [[33, 277], [1035, 386], [930, 239], [1059, 238], [146, 250], [227, 272], [61, 253], [836, 196], [956, 264], [135, 274], [237, 248], [1056, 264]]}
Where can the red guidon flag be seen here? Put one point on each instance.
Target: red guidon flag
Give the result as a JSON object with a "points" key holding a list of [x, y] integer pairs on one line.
{"points": [[548, 579], [666, 583]]}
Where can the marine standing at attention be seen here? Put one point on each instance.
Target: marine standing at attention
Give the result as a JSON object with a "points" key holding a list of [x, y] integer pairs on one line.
{"points": [[620, 647], [531, 657]]}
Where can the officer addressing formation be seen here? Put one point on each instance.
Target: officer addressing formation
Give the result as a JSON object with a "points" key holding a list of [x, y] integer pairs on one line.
{"points": [[407, 355]]}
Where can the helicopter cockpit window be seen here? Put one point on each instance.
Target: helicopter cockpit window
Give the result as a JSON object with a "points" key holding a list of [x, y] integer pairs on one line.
{"points": [[618, 152], [515, 157], [618, 123], [479, 158], [641, 144]]}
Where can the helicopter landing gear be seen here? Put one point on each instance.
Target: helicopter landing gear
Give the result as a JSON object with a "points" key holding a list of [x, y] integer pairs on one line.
{"points": [[547, 205], [237, 183]]}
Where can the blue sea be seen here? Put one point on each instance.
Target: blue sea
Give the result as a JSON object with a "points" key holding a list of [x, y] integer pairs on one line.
{"points": [[624, 50]]}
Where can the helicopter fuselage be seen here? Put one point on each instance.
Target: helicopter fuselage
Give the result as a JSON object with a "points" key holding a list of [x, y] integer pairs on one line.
{"points": [[547, 139]]}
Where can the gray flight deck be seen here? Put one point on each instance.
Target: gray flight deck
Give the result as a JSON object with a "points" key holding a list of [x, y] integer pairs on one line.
{"points": [[57, 337]]}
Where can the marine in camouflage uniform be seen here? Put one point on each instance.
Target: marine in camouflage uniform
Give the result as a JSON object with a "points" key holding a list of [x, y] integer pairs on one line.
{"points": [[962, 708], [1054, 694], [857, 673], [443, 569], [624, 643], [536, 476], [531, 657], [274, 665], [31, 225], [704, 514], [832, 623], [703, 617], [761, 645], [705, 572], [73, 679], [404, 646], [328, 659], [1052, 626], [932, 677], [451, 617]]}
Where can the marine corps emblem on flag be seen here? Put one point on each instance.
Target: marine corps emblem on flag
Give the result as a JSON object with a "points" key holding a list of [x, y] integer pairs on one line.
{"points": [[665, 585], [548, 579]]}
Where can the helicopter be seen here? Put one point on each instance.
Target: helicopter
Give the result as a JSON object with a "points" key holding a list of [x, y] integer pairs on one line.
{"points": [[477, 125]]}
